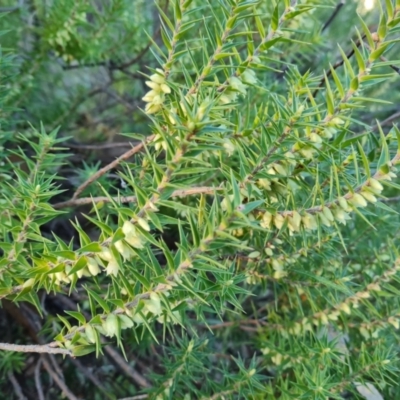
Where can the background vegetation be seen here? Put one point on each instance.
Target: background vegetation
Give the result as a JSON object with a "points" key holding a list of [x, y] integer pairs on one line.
{"points": [[249, 250]]}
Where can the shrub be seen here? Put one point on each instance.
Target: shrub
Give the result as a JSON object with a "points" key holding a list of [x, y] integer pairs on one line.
{"points": [[244, 244]]}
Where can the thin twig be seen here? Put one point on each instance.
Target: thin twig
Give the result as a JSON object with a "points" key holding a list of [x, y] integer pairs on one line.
{"points": [[112, 165], [138, 397], [91, 377], [34, 348], [101, 146], [386, 121], [16, 386], [391, 200], [335, 67], [130, 199], [38, 382], [119, 360], [334, 14], [61, 384]]}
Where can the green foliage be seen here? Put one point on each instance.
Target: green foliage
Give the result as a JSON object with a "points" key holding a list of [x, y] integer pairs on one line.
{"points": [[252, 249]]}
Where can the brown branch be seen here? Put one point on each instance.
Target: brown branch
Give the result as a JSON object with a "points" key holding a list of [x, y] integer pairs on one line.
{"points": [[91, 377], [130, 199], [16, 386], [101, 146], [112, 165], [334, 14], [38, 382], [335, 67], [126, 368], [61, 384], [386, 121], [34, 348]]}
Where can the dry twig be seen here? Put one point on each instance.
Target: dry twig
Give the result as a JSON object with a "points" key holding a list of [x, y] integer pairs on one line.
{"points": [[110, 166], [34, 348]]}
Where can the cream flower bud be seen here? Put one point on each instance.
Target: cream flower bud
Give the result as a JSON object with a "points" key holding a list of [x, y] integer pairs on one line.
{"points": [[152, 108], [153, 85], [266, 221], [157, 78], [28, 283], [328, 214], [144, 224], [112, 268], [345, 308], [93, 266], [375, 184], [165, 88], [124, 250], [265, 183], [106, 254], [357, 200], [279, 221], [307, 152], [150, 96], [323, 219], [135, 241], [315, 138], [343, 203], [369, 196], [279, 274], [277, 359], [128, 228], [309, 221], [280, 169], [111, 325], [154, 304], [341, 216], [90, 334], [249, 76], [125, 321]]}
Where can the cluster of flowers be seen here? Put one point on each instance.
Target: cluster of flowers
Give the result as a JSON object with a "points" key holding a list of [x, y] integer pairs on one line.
{"points": [[238, 85], [336, 211], [156, 96], [106, 256], [114, 323]]}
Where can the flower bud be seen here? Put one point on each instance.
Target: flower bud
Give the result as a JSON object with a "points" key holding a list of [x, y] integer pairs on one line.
{"points": [[165, 88], [111, 325], [90, 334], [309, 222], [369, 196], [375, 184], [279, 220], [144, 224], [357, 200], [328, 214], [106, 254], [124, 250], [93, 266], [343, 203], [112, 268], [157, 78]]}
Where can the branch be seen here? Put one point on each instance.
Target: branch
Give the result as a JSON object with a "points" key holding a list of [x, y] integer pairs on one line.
{"points": [[334, 14], [130, 199], [34, 348], [61, 384], [112, 165], [336, 66], [38, 382], [16, 386]]}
